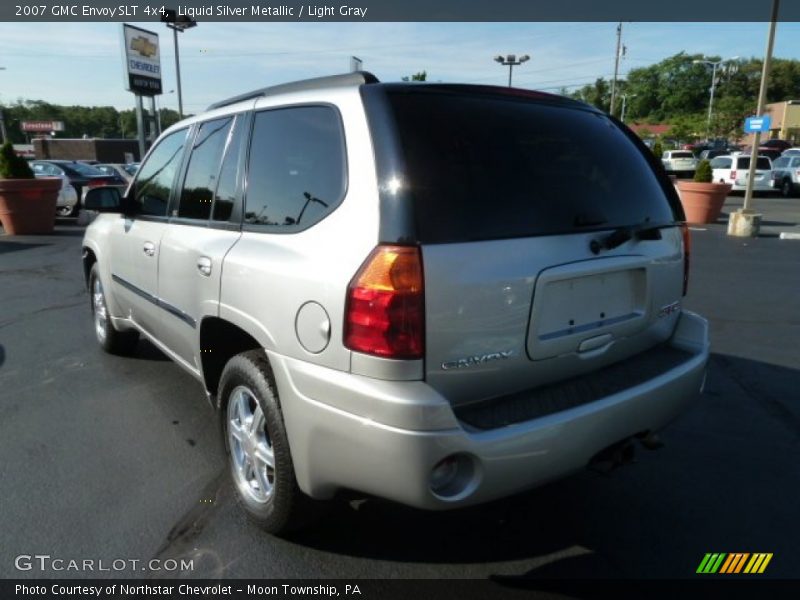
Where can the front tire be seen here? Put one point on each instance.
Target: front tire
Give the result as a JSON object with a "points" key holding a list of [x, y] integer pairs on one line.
{"points": [[259, 460], [109, 339]]}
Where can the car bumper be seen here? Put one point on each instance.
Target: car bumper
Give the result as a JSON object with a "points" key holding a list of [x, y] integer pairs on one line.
{"points": [[384, 438]]}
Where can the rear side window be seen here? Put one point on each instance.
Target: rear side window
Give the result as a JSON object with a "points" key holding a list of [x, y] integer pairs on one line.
{"points": [[204, 165], [682, 155], [225, 198], [488, 167], [157, 174], [296, 168]]}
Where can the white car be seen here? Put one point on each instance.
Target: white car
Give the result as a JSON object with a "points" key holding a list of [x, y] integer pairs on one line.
{"points": [[734, 168], [791, 152], [679, 162], [67, 196]]}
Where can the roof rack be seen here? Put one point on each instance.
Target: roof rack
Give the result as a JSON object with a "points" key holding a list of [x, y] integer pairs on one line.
{"points": [[346, 79]]}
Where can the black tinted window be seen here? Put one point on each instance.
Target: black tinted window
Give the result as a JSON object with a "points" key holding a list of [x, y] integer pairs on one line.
{"points": [[157, 174], [204, 165], [721, 163], [743, 162], [226, 188], [487, 166], [296, 172]]}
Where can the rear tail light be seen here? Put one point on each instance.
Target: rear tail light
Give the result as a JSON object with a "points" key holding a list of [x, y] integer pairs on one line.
{"points": [[733, 175], [385, 308], [797, 173], [97, 182], [687, 247]]}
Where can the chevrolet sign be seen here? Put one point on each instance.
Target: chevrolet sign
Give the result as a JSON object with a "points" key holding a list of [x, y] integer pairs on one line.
{"points": [[142, 61]]}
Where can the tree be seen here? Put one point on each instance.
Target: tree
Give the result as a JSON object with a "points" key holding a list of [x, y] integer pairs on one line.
{"points": [[421, 76]]}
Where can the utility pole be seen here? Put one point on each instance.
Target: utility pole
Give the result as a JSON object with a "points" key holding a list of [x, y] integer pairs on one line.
{"points": [[624, 105], [745, 222], [616, 70]]}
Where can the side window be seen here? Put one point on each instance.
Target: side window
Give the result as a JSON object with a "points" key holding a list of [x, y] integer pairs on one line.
{"points": [[226, 187], [157, 174], [204, 165], [297, 168], [796, 162]]}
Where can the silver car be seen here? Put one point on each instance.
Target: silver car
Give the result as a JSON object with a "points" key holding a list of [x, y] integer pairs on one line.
{"points": [[437, 294], [681, 163]]}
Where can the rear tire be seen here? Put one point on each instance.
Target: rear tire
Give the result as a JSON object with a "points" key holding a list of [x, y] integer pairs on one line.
{"points": [[110, 340], [787, 188], [259, 460]]}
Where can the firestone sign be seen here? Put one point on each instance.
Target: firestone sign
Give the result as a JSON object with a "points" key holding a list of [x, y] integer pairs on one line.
{"points": [[42, 126], [142, 61]]}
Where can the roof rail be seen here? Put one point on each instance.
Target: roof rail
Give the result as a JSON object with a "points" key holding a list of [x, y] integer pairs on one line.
{"points": [[346, 79]]}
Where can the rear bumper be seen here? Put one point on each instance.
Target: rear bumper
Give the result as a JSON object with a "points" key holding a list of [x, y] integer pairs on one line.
{"points": [[384, 438]]}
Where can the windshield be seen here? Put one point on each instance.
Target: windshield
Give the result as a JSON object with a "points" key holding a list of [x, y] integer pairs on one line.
{"points": [[491, 166]]}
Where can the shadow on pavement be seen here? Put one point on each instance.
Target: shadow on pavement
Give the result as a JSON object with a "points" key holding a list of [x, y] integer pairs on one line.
{"points": [[16, 246]]}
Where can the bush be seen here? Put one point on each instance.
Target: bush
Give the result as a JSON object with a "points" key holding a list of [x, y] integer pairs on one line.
{"points": [[703, 173], [13, 166], [658, 149]]}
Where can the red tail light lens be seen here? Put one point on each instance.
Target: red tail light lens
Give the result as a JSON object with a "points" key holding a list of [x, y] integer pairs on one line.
{"points": [[687, 247], [385, 308], [733, 175], [97, 182]]}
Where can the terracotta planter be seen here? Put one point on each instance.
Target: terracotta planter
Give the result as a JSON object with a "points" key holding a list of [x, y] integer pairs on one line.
{"points": [[702, 202], [28, 206]]}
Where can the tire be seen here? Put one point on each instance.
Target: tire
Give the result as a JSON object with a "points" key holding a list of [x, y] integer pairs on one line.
{"points": [[109, 339], [787, 188], [257, 447]]}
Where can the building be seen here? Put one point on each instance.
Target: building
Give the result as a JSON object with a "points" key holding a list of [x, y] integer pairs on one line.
{"points": [[103, 150], [784, 122]]}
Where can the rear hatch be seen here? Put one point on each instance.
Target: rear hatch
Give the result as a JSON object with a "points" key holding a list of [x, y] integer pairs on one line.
{"points": [[526, 210], [682, 161], [763, 172]]}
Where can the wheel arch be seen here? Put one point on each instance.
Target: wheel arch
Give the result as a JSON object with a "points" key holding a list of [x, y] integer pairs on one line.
{"points": [[221, 340]]}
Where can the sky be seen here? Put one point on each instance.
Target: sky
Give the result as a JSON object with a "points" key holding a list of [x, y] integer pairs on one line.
{"points": [[80, 63]]}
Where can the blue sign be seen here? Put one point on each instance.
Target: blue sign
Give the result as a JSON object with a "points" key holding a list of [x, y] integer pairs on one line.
{"points": [[757, 124]]}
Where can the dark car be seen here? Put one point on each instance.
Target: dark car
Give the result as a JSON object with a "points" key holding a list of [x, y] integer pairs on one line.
{"points": [[80, 175]]}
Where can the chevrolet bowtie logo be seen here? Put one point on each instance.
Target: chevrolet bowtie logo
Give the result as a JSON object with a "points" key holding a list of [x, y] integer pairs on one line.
{"points": [[143, 46]]}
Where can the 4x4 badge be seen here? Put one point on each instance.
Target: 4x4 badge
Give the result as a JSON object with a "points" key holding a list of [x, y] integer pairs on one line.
{"points": [[471, 361]]}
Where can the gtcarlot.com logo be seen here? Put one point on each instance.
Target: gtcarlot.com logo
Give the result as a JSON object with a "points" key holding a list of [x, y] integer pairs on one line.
{"points": [[45, 562], [734, 563]]}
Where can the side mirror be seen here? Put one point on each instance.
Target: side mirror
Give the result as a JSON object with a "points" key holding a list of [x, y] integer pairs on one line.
{"points": [[103, 199]]}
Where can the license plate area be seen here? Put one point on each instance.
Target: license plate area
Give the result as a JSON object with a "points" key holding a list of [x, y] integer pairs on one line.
{"points": [[574, 303]]}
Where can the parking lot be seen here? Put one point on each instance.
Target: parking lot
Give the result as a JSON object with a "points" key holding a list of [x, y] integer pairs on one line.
{"points": [[106, 457]]}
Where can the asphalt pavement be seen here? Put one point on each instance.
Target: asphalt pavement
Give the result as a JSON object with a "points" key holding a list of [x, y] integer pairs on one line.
{"points": [[103, 457]]}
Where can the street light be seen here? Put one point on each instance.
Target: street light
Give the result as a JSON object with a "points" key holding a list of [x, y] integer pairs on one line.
{"points": [[158, 111], [714, 65], [178, 24], [624, 104], [511, 61]]}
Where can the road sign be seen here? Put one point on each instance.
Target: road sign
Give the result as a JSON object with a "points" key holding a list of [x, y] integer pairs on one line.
{"points": [[757, 124], [142, 60]]}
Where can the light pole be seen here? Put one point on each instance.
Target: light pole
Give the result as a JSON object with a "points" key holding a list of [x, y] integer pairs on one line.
{"points": [[158, 111], [511, 61], [714, 65], [178, 24], [624, 105]]}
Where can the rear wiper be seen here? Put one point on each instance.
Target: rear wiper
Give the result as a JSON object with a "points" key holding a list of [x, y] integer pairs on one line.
{"points": [[642, 231]]}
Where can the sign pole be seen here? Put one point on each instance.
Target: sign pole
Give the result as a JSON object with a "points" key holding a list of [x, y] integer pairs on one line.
{"points": [[745, 223], [140, 125]]}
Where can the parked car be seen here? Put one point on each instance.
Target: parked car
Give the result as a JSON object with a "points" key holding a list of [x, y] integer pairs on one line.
{"points": [[786, 174], [123, 170], [791, 152], [713, 153], [67, 196], [80, 176], [423, 303], [680, 163], [734, 168]]}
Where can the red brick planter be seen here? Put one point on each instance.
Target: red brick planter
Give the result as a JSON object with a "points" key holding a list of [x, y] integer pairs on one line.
{"points": [[28, 206], [702, 202]]}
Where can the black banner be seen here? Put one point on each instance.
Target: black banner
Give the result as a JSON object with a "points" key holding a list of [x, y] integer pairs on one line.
{"points": [[408, 10]]}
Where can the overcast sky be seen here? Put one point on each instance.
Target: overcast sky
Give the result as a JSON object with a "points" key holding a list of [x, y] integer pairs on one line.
{"points": [[80, 63]]}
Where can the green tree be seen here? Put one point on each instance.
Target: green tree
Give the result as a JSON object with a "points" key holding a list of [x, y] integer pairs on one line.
{"points": [[421, 76]]}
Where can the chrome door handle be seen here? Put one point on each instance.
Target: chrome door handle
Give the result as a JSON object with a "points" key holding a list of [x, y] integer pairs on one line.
{"points": [[204, 265], [149, 248]]}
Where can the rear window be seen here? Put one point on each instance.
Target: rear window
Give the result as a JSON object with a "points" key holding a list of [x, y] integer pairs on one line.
{"points": [[682, 155], [490, 167], [83, 169], [781, 163], [763, 163]]}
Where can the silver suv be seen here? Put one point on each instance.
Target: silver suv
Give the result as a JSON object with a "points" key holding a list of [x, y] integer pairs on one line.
{"points": [[437, 294]]}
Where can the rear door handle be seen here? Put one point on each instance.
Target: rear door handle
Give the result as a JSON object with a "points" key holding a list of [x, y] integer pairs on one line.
{"points": [[204, 265], [149, 248]]}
